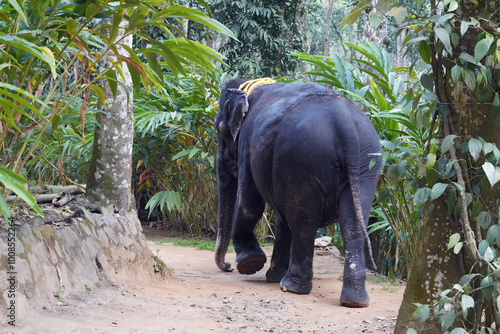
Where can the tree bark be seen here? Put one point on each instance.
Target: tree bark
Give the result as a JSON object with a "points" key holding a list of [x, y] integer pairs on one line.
{"points": [[109, 180], [326, 42], [304, 26]]}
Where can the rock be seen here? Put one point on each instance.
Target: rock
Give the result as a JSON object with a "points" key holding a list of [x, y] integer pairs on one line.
{"points": [[334, 250], [322, 242]]}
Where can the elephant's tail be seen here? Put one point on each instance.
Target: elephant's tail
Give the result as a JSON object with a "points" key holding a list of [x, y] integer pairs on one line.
{"points": [[356, 193]]}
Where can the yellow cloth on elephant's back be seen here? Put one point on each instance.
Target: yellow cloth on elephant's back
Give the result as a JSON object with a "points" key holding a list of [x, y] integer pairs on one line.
{"points": [[249, 86]]}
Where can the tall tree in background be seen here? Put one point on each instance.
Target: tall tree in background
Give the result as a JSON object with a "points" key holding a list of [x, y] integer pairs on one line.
{"points": [[267, 33]]}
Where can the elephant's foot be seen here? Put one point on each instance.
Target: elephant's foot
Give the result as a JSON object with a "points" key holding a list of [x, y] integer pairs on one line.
{"points": [[249, 262], [288, 284], [275, 274], [354, 299]]}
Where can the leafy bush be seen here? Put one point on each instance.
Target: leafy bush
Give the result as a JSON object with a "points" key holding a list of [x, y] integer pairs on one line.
{"points": [[51, 76], [174, 152]]}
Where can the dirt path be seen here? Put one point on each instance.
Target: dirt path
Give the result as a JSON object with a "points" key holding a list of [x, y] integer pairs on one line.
{"points": [[202, 299]]}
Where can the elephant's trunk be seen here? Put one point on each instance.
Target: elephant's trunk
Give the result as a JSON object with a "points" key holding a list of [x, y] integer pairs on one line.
{"points": [[221, 250], [227, 187]]}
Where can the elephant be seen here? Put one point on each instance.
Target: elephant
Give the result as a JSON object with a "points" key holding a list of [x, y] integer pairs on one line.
{"points": [[314, 157]]}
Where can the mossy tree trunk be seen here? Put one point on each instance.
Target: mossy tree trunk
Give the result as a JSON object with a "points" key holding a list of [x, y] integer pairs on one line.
{"points": [[464, 109], [109, 181]]}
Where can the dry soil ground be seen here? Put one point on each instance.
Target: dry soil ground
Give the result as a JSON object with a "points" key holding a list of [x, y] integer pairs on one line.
{"points": [[199, 298]]}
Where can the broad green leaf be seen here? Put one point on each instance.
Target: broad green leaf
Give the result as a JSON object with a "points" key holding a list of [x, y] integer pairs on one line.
{"points": [[469, 78], [496, 100], [193, 151], [446, 320], [464, 26], [137, 17], [191, 14], [467, 57], [372, 163], [455, 73], [100, 93], [43, 53], [475, 147], [427, 82], [444, 37], [431, 160], [437, 190], [481, 48], [484, 219], [488, 148], [383, 6], [458, 247], [454, 239], [180, 154], [4, 208], [115, 27], [393, 174], [16, 183], [492, 234], [388, 145], [375, 18], [425, 51], [467, 302], [399, 13], [421, 195], [453, 6], [482, 247], [491, 172], [19, 7], [487, 287], [458, 330], [411, 331], [110, 75], [381, 103], [352, 17], [447, 143], [422, 312]]}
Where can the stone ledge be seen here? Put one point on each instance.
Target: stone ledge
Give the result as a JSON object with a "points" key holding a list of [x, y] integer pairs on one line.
{"points": [[51, 261]]}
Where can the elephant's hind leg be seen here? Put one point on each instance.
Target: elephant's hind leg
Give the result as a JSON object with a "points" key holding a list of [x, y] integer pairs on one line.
{"points": [[281, 253], [298, 278]]}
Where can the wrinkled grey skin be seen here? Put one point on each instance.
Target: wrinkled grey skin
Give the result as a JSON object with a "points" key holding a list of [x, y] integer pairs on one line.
{"points": [[305, 151]]}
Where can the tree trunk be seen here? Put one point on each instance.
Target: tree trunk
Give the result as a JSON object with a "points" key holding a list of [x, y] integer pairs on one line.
{"points": [[434, 268], [326, 42], [109, 182], [304, 26]]}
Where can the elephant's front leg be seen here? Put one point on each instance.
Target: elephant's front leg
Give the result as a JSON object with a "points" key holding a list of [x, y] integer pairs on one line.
{"points": [[281, 253], [250, 258]]}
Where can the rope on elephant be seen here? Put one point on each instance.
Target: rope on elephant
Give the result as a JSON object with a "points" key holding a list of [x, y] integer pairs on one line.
{"points": [[249, 86]]}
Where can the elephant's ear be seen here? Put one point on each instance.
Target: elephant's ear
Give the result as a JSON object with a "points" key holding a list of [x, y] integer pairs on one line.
{"points": [[235, 110]]}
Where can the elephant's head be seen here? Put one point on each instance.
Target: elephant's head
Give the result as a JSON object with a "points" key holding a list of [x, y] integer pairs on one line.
{"points": [[233, 107]]}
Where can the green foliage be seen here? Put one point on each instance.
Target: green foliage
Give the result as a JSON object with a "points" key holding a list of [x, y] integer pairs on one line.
{"points": [[174, 151], [266, 35], [462, 51], [50, 75]]}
